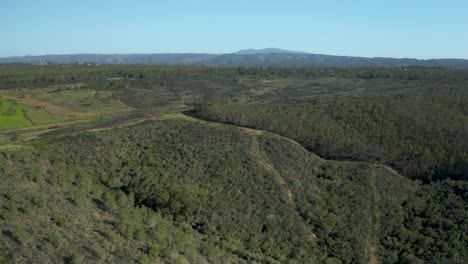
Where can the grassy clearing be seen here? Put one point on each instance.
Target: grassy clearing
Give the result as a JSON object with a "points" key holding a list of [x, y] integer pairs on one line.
{"points": [[73, 101], [44, 126], [34, 108], [39, 116], [52, 108], [29, 113], [70, 101], [16, 116], [90, 101], [21, 135], [12, 115]]}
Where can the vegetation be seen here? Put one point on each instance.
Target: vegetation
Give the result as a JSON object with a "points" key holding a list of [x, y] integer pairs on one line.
{"points": [[422, 136], [11, 115], [251, 58], [40, 117], [111, 170]]}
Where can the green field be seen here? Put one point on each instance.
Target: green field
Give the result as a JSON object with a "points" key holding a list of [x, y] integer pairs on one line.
{"points": [[74, 98], [12, 115], [40, 117], [15, 115]]}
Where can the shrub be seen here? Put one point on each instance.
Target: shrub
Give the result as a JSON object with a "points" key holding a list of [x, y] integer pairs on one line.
{"points": [[153, 251], [19, 235], [75, 258], [39, 201]]}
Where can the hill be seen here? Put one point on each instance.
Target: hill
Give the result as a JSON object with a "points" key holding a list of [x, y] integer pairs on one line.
{"points": [[163, 191], [267, 51], [243, 58]]}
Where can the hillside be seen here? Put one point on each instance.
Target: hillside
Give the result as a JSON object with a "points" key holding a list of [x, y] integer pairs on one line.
{"points": [[243, 58], [383, 130], [298, 206], [166, 164]]}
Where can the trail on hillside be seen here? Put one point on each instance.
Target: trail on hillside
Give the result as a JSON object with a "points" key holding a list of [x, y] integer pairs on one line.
{"points": [[266, 164], [375, 203], [260, 132]]}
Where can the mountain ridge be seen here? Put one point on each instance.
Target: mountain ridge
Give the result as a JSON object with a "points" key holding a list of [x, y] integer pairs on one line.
{"points": [[270, 57], [267, 51]]}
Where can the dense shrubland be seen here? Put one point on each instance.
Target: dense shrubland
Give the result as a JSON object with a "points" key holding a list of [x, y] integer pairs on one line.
{"points": [[18, 75], [164, 191], [177, 190], [424, 137]]}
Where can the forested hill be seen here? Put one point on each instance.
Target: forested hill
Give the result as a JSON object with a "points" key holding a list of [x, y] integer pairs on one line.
{"points": [[246, 58]]}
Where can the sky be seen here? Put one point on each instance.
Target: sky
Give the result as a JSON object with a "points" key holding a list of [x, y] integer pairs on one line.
{"points": [[369, 28]]}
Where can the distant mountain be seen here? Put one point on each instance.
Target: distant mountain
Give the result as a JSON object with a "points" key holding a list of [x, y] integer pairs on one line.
{"points": [[162, 58], [319, 60], [270, 57], [267, 51]]}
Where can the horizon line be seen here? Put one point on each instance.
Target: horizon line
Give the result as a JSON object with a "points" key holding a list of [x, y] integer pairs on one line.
{"points": [[232, 53]]}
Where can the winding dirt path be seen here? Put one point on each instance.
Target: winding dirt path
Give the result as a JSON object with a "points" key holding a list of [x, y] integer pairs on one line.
{"points": [[261, 132]]}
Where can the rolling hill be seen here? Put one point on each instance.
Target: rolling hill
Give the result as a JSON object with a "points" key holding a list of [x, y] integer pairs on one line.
{"points": [[267, 51], [270, 57]]}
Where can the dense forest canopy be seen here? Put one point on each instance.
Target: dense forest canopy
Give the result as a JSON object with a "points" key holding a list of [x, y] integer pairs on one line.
{"points": [[424, 137]]}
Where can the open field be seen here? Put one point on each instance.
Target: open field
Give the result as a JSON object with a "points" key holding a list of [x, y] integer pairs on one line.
{"points": [[39, 116], [56, 106], [29, 119], [68, 102], [12, 115]]}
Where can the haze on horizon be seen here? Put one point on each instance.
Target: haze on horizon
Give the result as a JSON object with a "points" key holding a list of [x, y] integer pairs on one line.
{"points": [[399, 29]]}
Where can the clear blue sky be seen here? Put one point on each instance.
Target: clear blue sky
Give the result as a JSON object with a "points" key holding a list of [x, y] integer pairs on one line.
{"points": [[387, 28]]}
